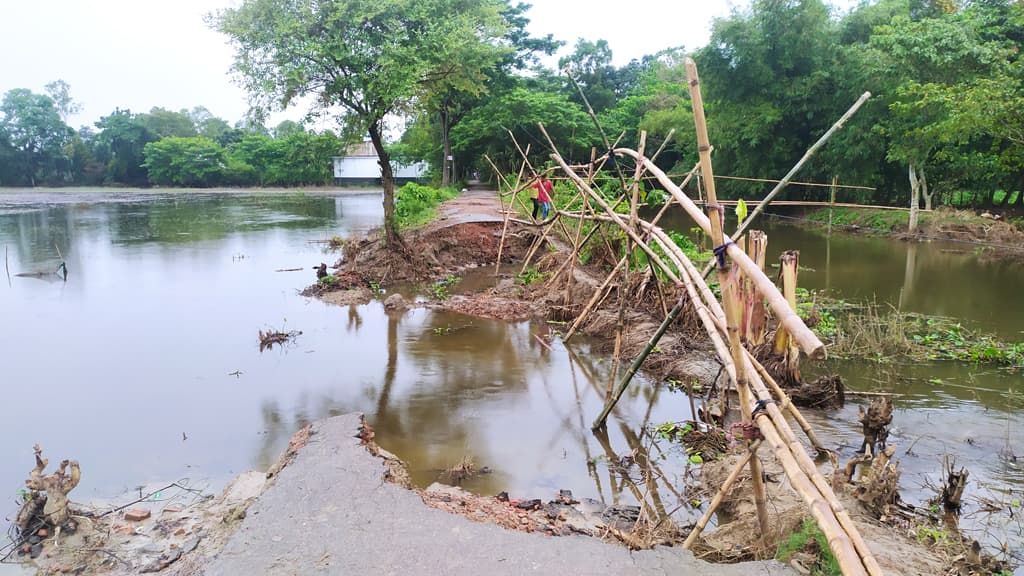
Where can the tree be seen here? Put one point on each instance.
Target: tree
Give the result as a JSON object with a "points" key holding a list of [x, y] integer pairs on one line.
{"points": [[485, 130], [591, 66], [371, 58], [60, 92], [764, 74], [33, 129], [120, 146], [191, 161], [165, 123], [210, 126], [449, 101]]}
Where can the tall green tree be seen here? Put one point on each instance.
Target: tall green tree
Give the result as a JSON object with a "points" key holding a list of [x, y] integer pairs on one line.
{"points": [[33, 130], [120, 144], [370, 58]]}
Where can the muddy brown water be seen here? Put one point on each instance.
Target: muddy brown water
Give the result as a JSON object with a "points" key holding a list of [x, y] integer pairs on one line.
{"points": [[144, 364]]}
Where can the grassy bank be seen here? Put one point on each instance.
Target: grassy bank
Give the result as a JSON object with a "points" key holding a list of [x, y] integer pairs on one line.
{"points": [[416, 204], [880, 333], [942, 223]]}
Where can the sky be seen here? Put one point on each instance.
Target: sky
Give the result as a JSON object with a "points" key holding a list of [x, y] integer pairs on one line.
{"points": [[138, 54]]}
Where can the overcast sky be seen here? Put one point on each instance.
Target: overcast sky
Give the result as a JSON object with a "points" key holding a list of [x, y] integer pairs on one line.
{"points": [[138, 54]]}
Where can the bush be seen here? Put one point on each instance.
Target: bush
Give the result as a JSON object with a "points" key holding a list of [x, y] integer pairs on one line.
{"points": [[415, 204]]}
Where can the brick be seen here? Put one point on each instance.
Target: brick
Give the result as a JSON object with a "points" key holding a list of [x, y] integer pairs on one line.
{"points": [[136, 514]]}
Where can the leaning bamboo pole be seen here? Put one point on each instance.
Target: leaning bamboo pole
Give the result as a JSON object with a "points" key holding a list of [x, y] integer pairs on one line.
{"points": [[507, 215], [720, 495], [808, 342], [796, 168]]}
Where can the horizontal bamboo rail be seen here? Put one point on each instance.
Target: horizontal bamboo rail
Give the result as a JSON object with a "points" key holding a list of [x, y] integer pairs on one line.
{"points": [[817, 203]]}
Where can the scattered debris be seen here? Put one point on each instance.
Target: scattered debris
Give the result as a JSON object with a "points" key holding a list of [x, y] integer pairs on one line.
{"points": [[271, 337]]}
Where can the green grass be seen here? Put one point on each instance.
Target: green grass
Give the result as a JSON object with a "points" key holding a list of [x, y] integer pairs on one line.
{"points": [[416, 205], [810, 538]]}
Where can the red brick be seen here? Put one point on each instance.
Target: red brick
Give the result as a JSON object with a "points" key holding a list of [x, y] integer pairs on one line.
{"points": [[174, 508], [136, 514]]}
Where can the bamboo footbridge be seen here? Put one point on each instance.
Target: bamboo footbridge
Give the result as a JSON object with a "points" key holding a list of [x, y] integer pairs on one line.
{"points": [[763, 403]]}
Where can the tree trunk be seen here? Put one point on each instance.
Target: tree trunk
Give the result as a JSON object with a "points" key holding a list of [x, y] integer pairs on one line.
{"points": [[446, 164], [924, 192], [915, 193], [387, 179]]}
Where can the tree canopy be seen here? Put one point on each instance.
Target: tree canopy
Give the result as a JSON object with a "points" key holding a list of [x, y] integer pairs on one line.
{"points": [[945, 121]]}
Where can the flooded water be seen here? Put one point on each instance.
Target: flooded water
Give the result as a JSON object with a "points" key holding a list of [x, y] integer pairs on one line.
{"points": [[144, 364], [972, 412]]}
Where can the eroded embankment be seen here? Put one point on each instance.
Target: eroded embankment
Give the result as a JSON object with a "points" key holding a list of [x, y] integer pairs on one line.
{"points": [[523, 292]]}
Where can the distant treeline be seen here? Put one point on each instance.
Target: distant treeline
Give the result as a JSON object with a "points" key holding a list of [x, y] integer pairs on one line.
{"points": [[946, 75], [189, 148]]}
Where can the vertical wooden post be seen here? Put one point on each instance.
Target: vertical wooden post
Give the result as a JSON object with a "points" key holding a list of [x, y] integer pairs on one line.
{"points": [[728, 281], [789, 262], [832, 203], [755, 319]]}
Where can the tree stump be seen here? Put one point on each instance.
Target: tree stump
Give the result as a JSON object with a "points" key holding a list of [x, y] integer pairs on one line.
{"points": [[51, 507], [875, 423], [953, 487]]}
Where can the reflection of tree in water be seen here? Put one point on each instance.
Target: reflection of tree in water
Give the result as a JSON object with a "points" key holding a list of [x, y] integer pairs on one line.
{"points": [[355, 321], [199, 217], [35, 236]]}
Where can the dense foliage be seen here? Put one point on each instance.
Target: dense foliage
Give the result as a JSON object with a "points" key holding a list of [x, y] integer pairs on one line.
{"points": [[946, 75]]}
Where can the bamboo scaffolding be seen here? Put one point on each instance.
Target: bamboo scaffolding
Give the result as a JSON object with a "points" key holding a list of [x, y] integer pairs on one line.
{"points": [[751, 378], [808, 342], [729, 282], [791, 454]]}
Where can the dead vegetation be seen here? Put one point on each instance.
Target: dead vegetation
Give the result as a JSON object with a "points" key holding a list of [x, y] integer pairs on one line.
{"points": [[273, 337]]}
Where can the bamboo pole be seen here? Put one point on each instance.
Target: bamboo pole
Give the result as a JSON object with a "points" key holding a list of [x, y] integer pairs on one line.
{"points": [[635, 365], [807, 340], [796, 168], [720, 495], [789, 262], [832, 203], [728, 277], [508, 215], [620, 324]]}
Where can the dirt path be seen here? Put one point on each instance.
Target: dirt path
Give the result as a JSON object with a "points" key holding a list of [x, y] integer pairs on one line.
{"points": [[477, 204]]}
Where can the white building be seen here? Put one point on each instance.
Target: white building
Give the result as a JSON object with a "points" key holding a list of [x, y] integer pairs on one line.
{"points": [[359, 166]]}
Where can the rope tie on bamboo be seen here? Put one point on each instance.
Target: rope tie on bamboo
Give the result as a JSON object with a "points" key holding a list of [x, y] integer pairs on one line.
{"points": [[760, 408], [720, 252]]}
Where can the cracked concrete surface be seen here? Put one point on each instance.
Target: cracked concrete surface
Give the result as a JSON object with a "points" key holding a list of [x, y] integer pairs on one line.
{"points": [[331, 512]]}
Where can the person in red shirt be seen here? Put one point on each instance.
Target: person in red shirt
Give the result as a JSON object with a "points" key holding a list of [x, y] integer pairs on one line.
{"points": [[545, 190]]}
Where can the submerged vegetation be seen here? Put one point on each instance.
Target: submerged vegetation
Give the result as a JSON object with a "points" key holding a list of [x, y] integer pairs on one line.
{"points": [[880, 332]]}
